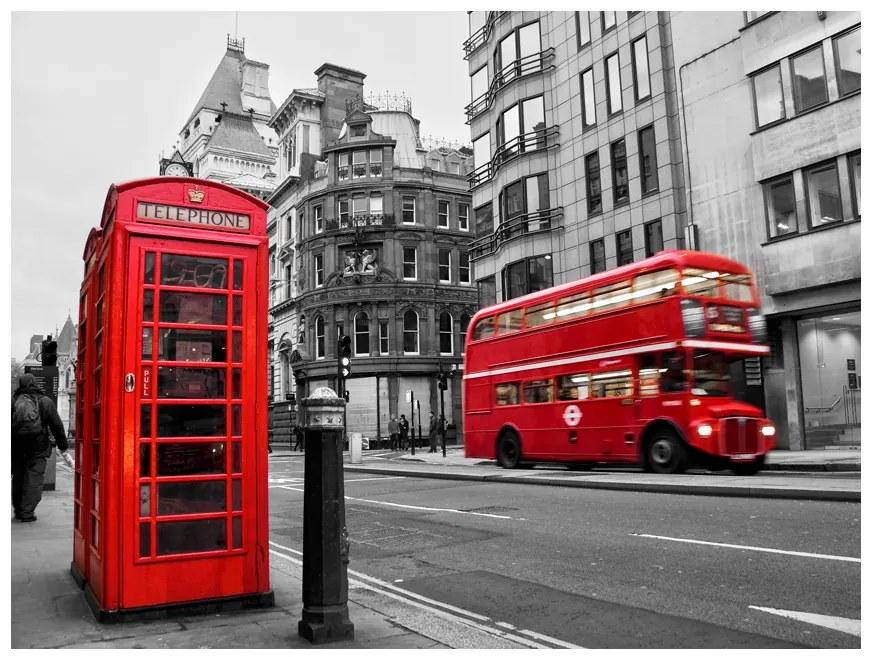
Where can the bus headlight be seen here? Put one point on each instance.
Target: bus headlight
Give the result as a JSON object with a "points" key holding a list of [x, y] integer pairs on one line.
{"points": [[768, 430], [705, 430]]}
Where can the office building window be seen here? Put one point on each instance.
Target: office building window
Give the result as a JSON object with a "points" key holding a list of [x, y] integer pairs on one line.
{"points": [[646, 148], [361, 334], [384, 337], [525, 276], [463, 216], [487, 291], [445, 334], [608, 21], [808, 80], [596, 256], [619, 168], [409, 210], [847, 59], [443, 265], [767, 87], [640, 68], [652, 233], [587, 92], [464, 321], [318, 218], [376, 163], [484, 220], [443, 214], [479, 83], [780, 205], [409, 263], [593, 184], [584, 34], [465, 268], [855, 181], [823, 194], [320, 337], [410, 333], [318, 270], [376, 205], [614, 84], [624, 254]]}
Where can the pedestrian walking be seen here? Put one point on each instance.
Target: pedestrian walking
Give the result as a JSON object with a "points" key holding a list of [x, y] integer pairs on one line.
{"points": [[403, 432], [393, 429], [299, 433], [433, 431], [34, 415]]}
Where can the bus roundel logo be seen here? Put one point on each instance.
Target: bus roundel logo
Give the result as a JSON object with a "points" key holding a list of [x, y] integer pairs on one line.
{"points": [[572, 415]]}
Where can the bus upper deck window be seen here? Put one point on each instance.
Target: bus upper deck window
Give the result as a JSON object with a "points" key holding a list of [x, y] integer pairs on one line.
{"points": [[485, 328], [701, 282], [540, 315], [655, 284], [737, 286], [510, 321], [574, 306], [611, 296]]}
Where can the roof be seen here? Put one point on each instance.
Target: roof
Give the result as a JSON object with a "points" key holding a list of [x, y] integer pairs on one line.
{"points": [[66, 337], [239, 134], [250, 181], [405, 129]]}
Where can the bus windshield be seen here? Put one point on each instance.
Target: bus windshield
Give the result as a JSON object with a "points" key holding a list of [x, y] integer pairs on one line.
{"points": [[710, 374]]}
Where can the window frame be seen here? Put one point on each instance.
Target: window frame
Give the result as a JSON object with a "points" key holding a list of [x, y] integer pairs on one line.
{"points": [[585, 99], [384, 338], [622, 257], [590, 177], [357, 334], [803, 110], [445, 205], [634, 71], [318, 270], [619, 200], [464, 320], [578, 23], [819, 167], [441, 266], [319, 338], [413, 210], [318, 218], [463, 218], [604, 27], [593, 259], [837, 70], [442, 333], [646, 188], [464, 279], [855, 182], [647, 227], [415, 332], [405, 262], [767, 191], [756, 76], [607, 82]]}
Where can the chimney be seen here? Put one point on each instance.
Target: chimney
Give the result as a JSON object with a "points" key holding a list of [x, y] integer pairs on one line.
{"points": [[338, 84]]}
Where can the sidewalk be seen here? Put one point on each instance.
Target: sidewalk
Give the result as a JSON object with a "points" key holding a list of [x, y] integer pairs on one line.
{"points": [[48, 609]]}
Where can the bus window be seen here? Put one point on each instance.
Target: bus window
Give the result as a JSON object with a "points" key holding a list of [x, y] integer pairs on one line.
{"points": [[737, 286], [673, 377], [648, 375], [510, 321], [574, 386], [540, 315], [484, 328], [611, 296], [507, 394], [701, 282], [538, 391], [710, 373], [573, 306], [656, 284], [612, 384]]}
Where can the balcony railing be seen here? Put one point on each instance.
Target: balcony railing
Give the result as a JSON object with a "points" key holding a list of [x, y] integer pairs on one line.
{"points": [[537, 140], [531, 222], [527, 65], [479, 38], [360, 221]]}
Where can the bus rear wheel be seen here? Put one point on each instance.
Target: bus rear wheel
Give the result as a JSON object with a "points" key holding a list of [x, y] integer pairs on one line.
{"points": [[665, 453], [507, 452]]}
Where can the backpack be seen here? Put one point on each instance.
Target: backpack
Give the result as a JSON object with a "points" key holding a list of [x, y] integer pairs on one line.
{"points": [[26, 419]]}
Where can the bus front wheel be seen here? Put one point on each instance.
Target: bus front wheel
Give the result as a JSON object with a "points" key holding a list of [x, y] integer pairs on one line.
{"points": [[665, 453], [507, 452]]}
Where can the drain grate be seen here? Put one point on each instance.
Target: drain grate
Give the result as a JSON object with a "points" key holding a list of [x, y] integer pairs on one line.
{"points": [[490, 509]]}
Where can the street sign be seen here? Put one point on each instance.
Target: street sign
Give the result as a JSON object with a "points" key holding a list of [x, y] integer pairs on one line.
{"points": [[46, 378], [408, 396]]}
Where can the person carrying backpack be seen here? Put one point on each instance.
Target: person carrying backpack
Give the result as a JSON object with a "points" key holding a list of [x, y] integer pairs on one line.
{"points": [[33, 416]]}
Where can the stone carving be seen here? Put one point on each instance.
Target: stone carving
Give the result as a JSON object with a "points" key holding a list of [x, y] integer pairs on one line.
{"points": [[362, 263]]}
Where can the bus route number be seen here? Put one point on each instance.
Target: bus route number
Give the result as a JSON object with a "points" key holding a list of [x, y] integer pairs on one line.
{"points": [[572, 415]]}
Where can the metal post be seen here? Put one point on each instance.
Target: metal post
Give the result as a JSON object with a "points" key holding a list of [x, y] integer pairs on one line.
{"points": [[413, 429], [419, 419], [325, 543], [443, 421]]}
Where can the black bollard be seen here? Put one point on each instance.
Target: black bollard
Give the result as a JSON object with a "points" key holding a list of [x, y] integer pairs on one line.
{"points": [[325, 544]]}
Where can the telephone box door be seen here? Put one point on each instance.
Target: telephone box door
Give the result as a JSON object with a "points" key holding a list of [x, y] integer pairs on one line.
{"points": [[189, 506]]}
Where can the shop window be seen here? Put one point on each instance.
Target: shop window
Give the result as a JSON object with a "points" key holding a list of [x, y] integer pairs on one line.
{"points": [[767, 88], [780, 205], [808, 80]]}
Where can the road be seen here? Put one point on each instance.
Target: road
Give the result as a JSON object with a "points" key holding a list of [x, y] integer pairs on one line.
{"points": [[599, 569]]}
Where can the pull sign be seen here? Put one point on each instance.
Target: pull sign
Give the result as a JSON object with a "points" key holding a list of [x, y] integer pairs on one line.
{"points": [[129, 382]]}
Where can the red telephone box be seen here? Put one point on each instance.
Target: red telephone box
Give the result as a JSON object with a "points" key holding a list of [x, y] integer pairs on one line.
{"points": [[171, 496]]}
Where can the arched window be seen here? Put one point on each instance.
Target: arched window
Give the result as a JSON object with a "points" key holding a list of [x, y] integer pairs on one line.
{"points": [[445, 334], [320, 334], [361, 334], [464, 321], [410, 333]]}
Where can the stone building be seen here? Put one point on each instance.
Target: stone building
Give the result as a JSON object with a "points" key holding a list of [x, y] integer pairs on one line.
{"points": [[369, 238], [600, 138]]}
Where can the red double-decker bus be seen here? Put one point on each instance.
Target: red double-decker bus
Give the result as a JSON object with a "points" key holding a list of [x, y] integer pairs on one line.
{"points": [[631, 365]]}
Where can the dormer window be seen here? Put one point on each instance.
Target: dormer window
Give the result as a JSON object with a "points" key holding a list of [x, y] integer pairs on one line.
{"points": [[358, 131]]}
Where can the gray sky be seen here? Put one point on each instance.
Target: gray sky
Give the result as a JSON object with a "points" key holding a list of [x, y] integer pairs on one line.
{"points": [[96, 97]]}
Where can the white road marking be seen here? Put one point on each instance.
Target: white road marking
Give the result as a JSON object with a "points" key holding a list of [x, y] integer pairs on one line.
{"points": [[428, 508], [750, 547], [353, 481], [441, 608], [847, 625]]}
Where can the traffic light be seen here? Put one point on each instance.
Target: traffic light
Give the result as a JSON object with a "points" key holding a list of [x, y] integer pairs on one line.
{"points": [[442, 380], [346, 396], [344, 355], [49, 353]]}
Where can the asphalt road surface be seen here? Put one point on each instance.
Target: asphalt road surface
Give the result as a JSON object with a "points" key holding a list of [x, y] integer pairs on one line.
{"points": [[599, 569]]}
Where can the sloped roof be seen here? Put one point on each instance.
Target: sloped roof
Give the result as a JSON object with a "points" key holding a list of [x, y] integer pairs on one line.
{"points": [[66, 337], [405, 129], [239, 134], [250, 181]]}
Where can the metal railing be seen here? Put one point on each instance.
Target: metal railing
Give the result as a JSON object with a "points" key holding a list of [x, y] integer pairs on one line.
{"points": [[536, 140], [523, 224], [518, 68], [360, 221], [477, 39], [852, 406]]}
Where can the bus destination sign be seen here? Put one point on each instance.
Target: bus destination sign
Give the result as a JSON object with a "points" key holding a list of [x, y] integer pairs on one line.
{"points": [[194, 217], [725, 319]]}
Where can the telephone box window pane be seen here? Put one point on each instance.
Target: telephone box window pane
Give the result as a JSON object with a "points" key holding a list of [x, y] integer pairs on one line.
{"points": [[191, 382], [237, 346], [95, 500], [95, 533], [237, 275], [193, 345], [177, 459], [193, 308], [144, 500], [183, 497], [237, 533], [191, 536], [148, 306], [149, 269], [144, 460], [147, 342], [145, 421], [145, 539], [237, 383], [95, 451], [237, 494], [237, 420], [191, 420], [188, 271], [237, 310], [237, 457]]}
